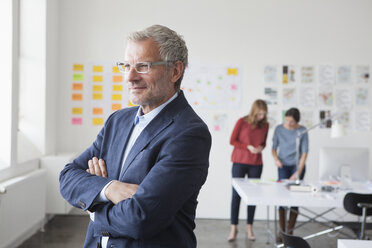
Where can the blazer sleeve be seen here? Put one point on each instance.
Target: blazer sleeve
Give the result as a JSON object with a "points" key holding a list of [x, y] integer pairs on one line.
{"points": [[79, 187], [178, 174]]}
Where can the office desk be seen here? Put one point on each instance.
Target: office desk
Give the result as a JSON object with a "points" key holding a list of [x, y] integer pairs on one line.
{"points": [[256, 192], [352, 243]]}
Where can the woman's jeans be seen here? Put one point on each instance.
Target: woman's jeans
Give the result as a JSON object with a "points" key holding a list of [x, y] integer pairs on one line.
{"points": [[239, 171]]}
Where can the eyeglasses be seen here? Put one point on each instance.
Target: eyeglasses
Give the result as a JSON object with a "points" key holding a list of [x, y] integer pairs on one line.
{"points": [[140, 67]]}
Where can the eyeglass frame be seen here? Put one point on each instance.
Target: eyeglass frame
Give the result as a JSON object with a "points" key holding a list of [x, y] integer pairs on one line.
{"points": [[149, 65]]}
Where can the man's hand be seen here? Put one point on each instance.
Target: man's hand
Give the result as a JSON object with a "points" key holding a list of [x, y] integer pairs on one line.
{"points": [[97, 167], [278, 163], [119, 191]]}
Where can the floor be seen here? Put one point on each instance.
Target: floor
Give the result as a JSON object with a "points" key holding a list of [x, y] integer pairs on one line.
{"points": [[69, 231]]}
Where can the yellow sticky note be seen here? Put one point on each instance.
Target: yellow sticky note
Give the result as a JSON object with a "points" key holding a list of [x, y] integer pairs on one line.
{"points": [[77, 111], [77, 97], [97, 111], [97, 96], [115, 69], [78, 67], [97, 68], [232, 71], [97, 121], [77, 86], [116, 106], [117, 88], [97, 78], [131, 104], [117, 79], [78, 77], [116, 97], [97, 88]]}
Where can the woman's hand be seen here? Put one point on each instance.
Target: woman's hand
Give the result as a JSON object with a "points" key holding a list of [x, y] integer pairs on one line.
{"points": [[252, 149]]}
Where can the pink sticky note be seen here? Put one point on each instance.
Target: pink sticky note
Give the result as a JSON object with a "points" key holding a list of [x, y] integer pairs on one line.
{"points": [[233, 87], [76, 121], [216, 128]]}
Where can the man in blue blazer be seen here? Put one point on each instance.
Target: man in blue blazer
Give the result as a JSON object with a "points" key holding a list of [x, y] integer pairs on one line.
{"points": [[141, 177]]}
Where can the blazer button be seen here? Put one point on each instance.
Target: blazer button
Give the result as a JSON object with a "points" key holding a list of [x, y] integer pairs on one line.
{"points": [[81, 204], [105, 234]]}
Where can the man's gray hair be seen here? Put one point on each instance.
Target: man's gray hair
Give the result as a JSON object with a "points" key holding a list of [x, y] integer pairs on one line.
{"points": [[172, 46]]}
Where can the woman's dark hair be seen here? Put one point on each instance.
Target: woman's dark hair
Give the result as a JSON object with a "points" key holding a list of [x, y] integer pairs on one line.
{"points": [[294, 113]]}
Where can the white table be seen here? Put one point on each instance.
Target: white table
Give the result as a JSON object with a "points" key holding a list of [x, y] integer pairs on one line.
{"points": [[258, 192], [352, 243]]}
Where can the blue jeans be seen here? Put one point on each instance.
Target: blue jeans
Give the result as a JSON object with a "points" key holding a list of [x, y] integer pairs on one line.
{"points": [[239, 171], [286, 172]]}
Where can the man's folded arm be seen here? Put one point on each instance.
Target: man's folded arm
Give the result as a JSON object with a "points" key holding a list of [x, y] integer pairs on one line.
{"points": [[170, 186]]}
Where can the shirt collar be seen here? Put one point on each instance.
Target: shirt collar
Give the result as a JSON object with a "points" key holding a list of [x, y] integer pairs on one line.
{"points": [[144, 119]]}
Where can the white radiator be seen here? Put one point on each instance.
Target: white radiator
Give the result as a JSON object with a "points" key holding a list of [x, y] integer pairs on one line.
{"points": [[22, 207]]}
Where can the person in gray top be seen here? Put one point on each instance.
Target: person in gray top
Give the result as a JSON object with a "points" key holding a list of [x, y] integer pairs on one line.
{"points": [[284, 153]]}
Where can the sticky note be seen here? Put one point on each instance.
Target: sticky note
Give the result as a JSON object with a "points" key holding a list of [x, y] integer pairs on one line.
{"points": [[77, 111], [117, 79], [97, 78], [116, 106], [78, 77], [77, 97], [77, 86], [116, 97], [117, 88], [97, 121], [78, 67], [115, 69], [97, 88], [97, 96], [232, 71], [76, 121], [97, 111], [97, 68], [131, 104], [234, 87]]}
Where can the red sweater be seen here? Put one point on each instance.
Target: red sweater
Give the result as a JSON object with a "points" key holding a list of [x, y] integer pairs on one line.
{"points": [[244, 135]]}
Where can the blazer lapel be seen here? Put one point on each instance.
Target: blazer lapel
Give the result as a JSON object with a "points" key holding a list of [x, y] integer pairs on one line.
{"points": [[120, 142], [158, 124]]}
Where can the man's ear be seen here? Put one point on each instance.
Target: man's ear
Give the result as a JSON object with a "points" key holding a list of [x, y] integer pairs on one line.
{"points": [[176, 71]]}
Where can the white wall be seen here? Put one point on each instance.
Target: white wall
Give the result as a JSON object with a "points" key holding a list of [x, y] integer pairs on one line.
{"points": [[249, 34]]}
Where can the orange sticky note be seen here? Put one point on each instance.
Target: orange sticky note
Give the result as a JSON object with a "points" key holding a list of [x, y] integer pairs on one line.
{"points": [[97, 121], [117, 88], [116, 97], [115, 69], [78, 67], [97, 96], [116, 106], [77, 97], [97, 78], [77, 111], [232, 71], [77, 86], [97, 68], [97, 111], [76, 121], [117, 79], [97, 88]]}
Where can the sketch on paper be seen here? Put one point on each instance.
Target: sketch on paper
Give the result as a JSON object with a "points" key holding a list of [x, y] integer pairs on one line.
{"points": [[307, 74], [271, 95], [324, 119], [363, 121], [307, 118], [270, 74], [344, 119], [362, 74], [289, 96], [307, 97], [325, 96], [343, 99], [289, 74], [344, 74], [326, 74], [361, 96]]}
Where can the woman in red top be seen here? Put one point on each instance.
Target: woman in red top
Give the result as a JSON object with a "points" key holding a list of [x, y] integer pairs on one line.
{"points": [[248, 139]]}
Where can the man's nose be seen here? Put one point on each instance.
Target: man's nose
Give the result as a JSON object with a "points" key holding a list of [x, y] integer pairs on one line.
{"points": [[133, 75]]}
